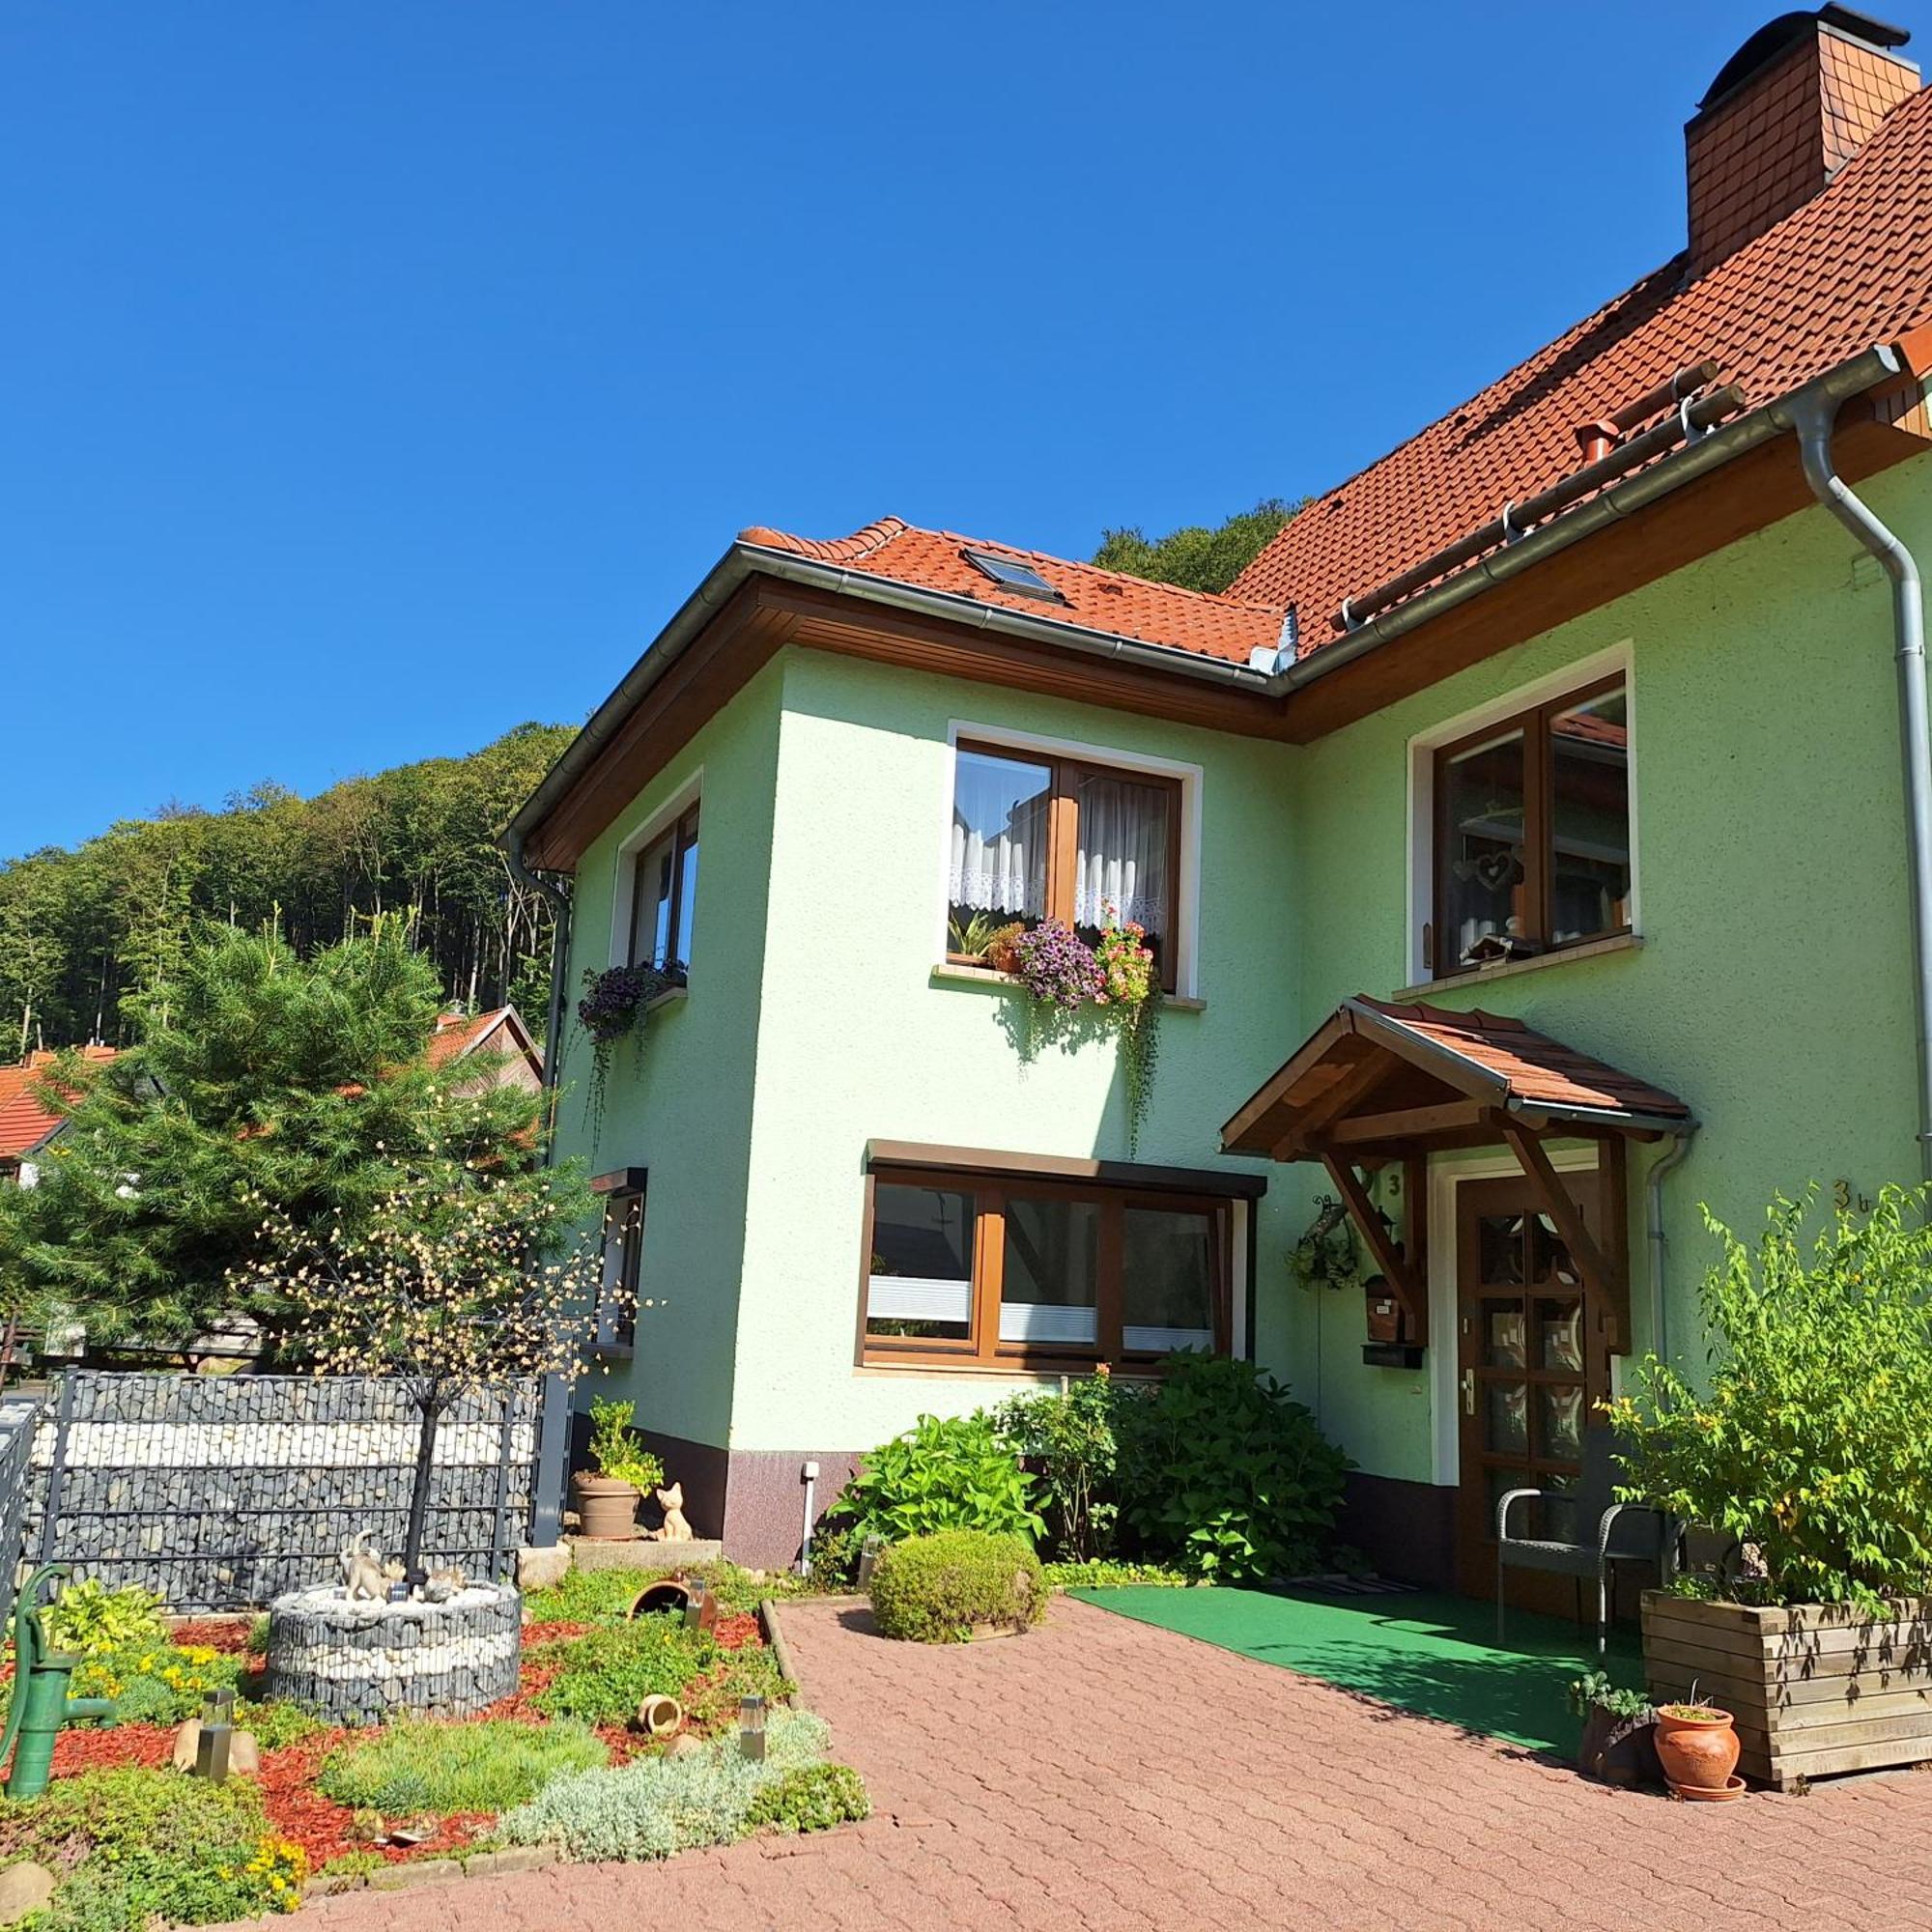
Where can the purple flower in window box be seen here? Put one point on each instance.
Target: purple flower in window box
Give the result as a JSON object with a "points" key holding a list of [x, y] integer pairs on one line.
{"points": [[1057, 968]]}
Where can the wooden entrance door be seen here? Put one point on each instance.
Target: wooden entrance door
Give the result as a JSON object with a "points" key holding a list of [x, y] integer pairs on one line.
{"points": [[1528, 1373]]}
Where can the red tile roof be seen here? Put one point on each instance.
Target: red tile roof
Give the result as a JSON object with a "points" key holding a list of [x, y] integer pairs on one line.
{"points": [[1097, 600], [1850, 267], [458, 1034], [26, 1120], [1531, 1067]]}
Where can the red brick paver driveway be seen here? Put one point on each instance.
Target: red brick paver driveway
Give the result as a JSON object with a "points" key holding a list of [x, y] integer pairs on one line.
{"points": [[1103, 1773]]}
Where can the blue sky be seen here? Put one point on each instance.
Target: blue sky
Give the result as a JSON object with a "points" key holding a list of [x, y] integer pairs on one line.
{"points": [[379, 376]]}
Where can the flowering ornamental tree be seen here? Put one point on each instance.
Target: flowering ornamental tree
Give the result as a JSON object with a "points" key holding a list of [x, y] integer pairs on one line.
{"points": [[487, 1287]]}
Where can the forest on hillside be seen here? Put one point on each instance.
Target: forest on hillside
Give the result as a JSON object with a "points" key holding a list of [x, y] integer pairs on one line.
{"points": [[83, 929]]}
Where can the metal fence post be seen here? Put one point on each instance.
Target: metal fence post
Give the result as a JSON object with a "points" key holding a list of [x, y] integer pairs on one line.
{"points": [[548, 1478], [63, 1424], [500, 1543]]}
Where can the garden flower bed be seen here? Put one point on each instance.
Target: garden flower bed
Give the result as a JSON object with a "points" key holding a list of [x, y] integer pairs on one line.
{"points": [[556, 1764]]}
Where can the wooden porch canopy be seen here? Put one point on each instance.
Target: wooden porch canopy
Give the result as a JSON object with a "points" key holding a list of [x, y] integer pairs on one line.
{"points": [[1377, 1083]]}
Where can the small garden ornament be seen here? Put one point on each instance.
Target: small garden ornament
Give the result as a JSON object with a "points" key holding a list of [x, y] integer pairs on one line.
{"points": [[1617, 1744]]}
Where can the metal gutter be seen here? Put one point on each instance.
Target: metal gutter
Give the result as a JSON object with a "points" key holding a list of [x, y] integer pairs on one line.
{"points": [[742, 562], [1814, 424], [1861, 372], [1661, 1170]]}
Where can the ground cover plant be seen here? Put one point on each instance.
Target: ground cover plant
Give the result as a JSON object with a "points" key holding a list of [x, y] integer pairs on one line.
{"points": [[660, 1804], [936, 1589], [414, 1766]]}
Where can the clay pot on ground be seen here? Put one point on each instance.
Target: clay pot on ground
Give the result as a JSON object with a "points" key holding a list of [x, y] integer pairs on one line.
{"points": [[606, 1510], [1699, 1747]]}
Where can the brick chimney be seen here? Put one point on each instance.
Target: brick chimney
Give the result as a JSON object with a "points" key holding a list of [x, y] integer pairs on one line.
{"points": [[1785, 113]]}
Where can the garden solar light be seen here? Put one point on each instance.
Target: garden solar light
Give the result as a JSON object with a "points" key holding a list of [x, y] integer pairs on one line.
{"points": [[868, 1555], [217, 1728], [695, 1606], [752, 1728]]}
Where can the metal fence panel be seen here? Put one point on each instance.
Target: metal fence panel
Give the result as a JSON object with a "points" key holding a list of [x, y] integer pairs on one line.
{"points": [[221, 1492]]}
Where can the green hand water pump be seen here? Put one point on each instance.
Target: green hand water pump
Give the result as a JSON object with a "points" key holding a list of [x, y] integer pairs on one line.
{"points": [[41, 1702]]}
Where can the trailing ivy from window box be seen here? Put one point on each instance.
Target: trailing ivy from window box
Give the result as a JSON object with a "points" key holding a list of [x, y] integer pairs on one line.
{"points": [[1064, 977], [612, 1006]]}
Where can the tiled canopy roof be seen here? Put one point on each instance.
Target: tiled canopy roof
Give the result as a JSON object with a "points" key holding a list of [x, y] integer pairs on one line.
{"points": [[1527, 1066], [1850, 267], [1097, 600], [26, 1120]]}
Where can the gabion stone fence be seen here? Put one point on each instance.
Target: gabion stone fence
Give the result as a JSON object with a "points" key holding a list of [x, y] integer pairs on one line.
{"points": [[225, 1491]]}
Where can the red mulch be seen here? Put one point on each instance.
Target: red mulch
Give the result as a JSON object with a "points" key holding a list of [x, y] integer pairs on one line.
{"points": [[297, 1810], [227, 1635]]}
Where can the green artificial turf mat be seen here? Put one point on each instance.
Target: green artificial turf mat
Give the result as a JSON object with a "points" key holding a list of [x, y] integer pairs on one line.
{"points": [[1434, 1655]]}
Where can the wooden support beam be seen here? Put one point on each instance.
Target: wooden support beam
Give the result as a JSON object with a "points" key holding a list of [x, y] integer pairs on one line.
{"points": [[1349, 1085], [1407, 1123], [1562, 1207], [1389, 1257]]}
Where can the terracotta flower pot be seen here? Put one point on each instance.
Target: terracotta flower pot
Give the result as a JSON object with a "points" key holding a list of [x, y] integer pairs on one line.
{"points": [[605, 1509], [1698, 1752]]}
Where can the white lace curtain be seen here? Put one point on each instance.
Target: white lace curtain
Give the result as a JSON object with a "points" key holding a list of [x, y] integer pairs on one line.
{"points": [[1120, 873], [998, 862]]}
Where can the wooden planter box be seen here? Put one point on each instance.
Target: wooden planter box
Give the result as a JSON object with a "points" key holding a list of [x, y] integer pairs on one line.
{"points": [[1815, 1688]]}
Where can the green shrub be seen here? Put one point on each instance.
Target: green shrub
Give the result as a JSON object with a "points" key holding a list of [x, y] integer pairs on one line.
{"points": [[278, 1725], [1072, 1440], [941, 1474], [812, 1799], [835, 1556], [141, 1845], [609, 1674], [1104, 1573], [93, 1619], [488, 1766], [657, 1806], [1228, 1476], [1811, 1443], [933, 1589]]}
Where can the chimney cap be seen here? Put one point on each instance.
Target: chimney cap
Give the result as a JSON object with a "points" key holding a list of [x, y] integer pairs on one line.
{"points": [[1775, 36]]}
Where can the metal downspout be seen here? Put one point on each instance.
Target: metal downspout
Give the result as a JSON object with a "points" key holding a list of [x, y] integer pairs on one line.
{"points": [[1814, 420], [1661, 1170]]}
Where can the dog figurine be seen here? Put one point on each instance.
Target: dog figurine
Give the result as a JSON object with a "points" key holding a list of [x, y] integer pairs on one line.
{"points": [[676, 1529]]}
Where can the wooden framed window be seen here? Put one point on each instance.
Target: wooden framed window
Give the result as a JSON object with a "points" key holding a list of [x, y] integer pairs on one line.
{"points": [[624, 1196], [971, 1269], [664, 898], [1532, 832], [1035, 836]]}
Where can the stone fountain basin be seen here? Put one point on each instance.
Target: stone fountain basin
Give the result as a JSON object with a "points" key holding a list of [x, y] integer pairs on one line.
{"points": [[357, 1663]]}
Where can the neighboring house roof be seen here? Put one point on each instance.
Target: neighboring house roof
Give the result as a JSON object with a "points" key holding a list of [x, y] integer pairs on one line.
{"points": [[1230, 628], [27, 1121], [501, 1030], [1851, 266]]}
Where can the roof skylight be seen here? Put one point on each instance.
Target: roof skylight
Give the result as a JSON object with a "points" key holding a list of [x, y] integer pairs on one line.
{"points": [[1009, 574]]}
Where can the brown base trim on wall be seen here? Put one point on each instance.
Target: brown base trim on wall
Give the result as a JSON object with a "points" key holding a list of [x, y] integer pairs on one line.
{"points": [[1408, 1530]]}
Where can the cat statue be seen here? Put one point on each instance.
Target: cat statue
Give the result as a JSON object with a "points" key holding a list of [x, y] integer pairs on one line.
{"points": [[363, 1578], [676, 1527]]}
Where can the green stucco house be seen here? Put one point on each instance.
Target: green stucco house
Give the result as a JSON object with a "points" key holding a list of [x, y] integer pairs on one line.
{"points": [[1524, 842]]}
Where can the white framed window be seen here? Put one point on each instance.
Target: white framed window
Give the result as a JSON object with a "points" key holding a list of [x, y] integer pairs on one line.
{"points": [[1522, 823], [622, 1193]]}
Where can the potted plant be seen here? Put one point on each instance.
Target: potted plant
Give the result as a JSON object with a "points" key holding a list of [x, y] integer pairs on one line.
{"points": [[606, 1502], [1003, 947], [1804, 1448], [1697, 1745], [1617, 1744]]}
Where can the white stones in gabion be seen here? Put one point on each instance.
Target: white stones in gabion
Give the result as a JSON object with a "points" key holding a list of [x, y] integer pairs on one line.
{"points": [[356, 1661]]}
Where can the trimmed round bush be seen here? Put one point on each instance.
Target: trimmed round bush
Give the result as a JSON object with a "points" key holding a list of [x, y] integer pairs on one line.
{"points": [[934, 1589]]}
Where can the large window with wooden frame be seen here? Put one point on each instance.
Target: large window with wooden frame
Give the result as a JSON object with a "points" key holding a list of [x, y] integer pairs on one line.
{"points": [[974, 1269], [623, 1195], [664, 898], [1533, 832], [1038, 836]]}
